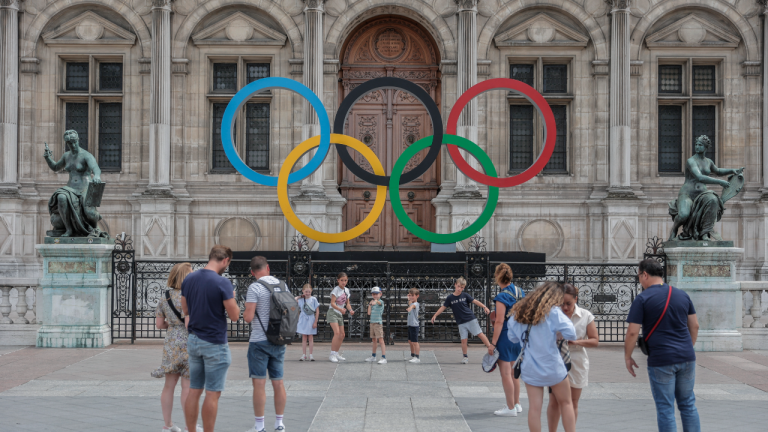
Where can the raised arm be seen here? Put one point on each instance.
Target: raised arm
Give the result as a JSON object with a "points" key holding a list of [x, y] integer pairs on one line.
{"points": [[725, 171], [55, 166]]}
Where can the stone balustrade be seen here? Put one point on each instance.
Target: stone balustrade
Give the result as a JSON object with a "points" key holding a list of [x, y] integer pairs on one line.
{"points": [[755, 330], [19, 312]]}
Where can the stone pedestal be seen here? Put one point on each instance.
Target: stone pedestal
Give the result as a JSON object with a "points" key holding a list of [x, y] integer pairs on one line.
{"points": [[74, 285], [708, 275]]}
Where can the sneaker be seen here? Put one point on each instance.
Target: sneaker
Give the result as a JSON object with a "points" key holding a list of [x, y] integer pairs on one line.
{"points": [[519, 407], [253, 429], [311, 358], [333, 358], [197, 429], [338, 356], [383, 361], [414, 360], [280, 428], [465, 360], [173, 428], [506, 412], [371, 359], [303, 357]]}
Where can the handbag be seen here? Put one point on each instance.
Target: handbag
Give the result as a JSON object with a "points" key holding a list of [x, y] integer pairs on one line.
{"points": [[517, 367], [565, 353], [642, 341], [170, 303]]}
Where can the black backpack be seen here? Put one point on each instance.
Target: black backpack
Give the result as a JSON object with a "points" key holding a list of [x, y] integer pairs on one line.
{"points": [[283, 314]]}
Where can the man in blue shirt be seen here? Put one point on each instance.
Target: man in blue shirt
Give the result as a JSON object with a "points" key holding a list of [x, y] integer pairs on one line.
{"points": [[208, 298], [671, 359]]}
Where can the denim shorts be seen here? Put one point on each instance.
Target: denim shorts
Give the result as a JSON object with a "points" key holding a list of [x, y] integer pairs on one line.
{"points": [[208, 364], [263, 357], [469, 327]]}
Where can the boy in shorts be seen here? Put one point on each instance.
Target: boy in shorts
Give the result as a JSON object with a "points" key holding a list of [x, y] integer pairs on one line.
{"points": [[413, 324], [375, 309], [459, 302]]}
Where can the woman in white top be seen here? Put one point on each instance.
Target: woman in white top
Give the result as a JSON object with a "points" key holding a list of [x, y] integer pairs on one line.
{"points": [[536, 321], [586, 337], [335, 317]]}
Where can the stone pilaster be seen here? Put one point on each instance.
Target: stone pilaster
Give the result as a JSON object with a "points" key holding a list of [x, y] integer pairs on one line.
{"points": [[466, 78], [764, 4], [620, 109], [160, 99], [9, 96], [313, 78]]}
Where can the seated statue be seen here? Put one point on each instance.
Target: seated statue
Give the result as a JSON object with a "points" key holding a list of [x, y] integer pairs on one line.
{"points": [[697, 208], [70, 216]]}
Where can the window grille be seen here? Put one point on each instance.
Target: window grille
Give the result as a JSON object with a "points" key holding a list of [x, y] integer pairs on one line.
{"points": [[521, 137], [558, 161], [111, 76], [670, 79], [257, 71], [77, 120], [257, 140], [110, 136], [703, 79], [77, 76], [704, 124], [220, 160], [556, 78], [224, 76], [670, 138], [522, 72]]}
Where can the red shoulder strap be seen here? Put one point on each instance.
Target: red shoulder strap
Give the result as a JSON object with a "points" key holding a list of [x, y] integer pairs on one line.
{"points": [[669, 296]]}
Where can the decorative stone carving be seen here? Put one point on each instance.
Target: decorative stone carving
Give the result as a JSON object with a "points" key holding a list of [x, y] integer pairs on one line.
{"points": [[234, 29], [89, 29], [238, 233], [623, 237], [541, 235], [5, 236], [12, 4], [389, 43], [619, 4], [466, 5], [34, 7], [142, 7], [541, 30], [239, 30], [693, 31], [184, 7]]}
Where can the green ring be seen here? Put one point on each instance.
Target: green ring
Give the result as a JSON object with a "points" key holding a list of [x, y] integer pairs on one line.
{"points": [[397, 205]]}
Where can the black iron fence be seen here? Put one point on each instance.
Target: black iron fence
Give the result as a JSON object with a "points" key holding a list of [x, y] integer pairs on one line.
{"points": [[607, 290]]}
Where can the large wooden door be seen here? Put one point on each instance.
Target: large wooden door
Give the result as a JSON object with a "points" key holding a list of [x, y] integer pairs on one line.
{"points": [[388, 121]]}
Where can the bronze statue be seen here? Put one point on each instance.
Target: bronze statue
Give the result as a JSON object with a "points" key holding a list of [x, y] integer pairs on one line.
{"points": [[72, 215], [697, 208]]}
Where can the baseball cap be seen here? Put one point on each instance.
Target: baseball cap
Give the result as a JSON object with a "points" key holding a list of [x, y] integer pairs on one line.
{"points": [[375, 290]]}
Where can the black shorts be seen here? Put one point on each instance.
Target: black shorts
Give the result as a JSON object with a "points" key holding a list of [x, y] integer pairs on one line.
{"points": [[413, 334]]}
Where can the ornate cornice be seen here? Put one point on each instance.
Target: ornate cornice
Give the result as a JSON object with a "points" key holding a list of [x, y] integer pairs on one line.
{"points": [[314, 5], [10, 4], [619, 5], [764, 4], [161, 4], [466, 5]]}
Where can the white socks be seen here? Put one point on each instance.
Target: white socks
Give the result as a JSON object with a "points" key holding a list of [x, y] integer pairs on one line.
{"points": [[278, 421], [259, 423]]}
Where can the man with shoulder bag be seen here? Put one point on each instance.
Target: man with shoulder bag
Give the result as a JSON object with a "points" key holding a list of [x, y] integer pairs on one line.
{"points": [[276, 314], [670, 327]]}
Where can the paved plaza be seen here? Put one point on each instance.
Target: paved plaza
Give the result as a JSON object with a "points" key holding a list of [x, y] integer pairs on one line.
{"points": [[111, 390]]}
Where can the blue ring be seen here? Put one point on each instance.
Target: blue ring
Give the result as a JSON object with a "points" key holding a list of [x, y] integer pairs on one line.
{"points": [[242, 97]]}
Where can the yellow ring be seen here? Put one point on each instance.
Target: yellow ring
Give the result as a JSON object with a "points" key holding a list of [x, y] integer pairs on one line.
{"points": [[285, 205]]}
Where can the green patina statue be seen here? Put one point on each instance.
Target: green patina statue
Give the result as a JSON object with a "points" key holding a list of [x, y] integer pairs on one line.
{"points": [[697, 208], [73, 207]]}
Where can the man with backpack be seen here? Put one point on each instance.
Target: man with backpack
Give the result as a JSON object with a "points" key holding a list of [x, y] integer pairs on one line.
{"points": [[277, 313], [670, 327]]}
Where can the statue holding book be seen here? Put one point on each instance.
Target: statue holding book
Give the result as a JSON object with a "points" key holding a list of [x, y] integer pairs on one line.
{"points": [[697, 208], [73, 207]]}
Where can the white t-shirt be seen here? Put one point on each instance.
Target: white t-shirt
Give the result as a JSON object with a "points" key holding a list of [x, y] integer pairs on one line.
{"points": [[259, 294], [341, 298]]}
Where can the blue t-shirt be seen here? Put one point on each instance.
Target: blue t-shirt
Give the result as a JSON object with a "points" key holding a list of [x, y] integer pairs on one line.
{"points": [[671, 342], [460, 307], [205, 292]]}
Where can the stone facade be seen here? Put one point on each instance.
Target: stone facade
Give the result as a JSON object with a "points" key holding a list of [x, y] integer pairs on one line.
{"points": [[609, 198]]}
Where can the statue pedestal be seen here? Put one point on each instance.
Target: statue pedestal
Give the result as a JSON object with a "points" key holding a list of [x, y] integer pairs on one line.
{"points": [[75, 293], [708, 275]]}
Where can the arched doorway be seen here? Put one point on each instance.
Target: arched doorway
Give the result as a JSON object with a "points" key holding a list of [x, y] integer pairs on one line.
{"points": [[388, 121]]}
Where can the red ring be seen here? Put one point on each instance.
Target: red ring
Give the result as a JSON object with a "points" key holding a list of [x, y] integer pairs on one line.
{"points": [[536, 99]]}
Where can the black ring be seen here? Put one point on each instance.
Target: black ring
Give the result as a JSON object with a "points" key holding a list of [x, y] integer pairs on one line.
{"points": [[400, 84]]}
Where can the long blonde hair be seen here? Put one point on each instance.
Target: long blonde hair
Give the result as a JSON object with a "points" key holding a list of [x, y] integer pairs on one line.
{"points": [[535, 307], [178, 273]]}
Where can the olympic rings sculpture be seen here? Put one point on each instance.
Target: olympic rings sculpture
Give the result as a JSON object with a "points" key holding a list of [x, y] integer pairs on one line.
{"points": [[379, 178]]}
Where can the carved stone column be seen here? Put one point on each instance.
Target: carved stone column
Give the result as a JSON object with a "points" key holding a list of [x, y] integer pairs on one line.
{"points": [[9, 96], [466, 78], [160, 99], [620, 147], [313, 78]]}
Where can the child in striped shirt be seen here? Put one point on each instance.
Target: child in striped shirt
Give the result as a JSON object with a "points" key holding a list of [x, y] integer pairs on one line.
{"points": [[375, 309]]}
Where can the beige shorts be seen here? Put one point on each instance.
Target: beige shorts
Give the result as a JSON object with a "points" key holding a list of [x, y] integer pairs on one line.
{"points": [[334, 316], [377, 331]]}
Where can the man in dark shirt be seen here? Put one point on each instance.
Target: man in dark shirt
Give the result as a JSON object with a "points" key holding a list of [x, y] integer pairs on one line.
{"points": [[208, 298], [459, 303], [671, 359]]}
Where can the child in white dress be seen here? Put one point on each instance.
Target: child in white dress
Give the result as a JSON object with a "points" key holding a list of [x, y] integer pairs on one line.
{"points": [[309, 312]]}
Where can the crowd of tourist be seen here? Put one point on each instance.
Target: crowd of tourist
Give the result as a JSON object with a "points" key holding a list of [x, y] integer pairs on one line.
{"points": [[539, 338]]}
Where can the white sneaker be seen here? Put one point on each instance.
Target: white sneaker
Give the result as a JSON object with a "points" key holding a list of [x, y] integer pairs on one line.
{"points": [[253, 429], [383, 361], [519, 407], [311, 358], [506, 412], [371, 359], [415, 360], [197, 429], [173, 428], [333, 358], [303, 357], [465, 360], [338, 356]]}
